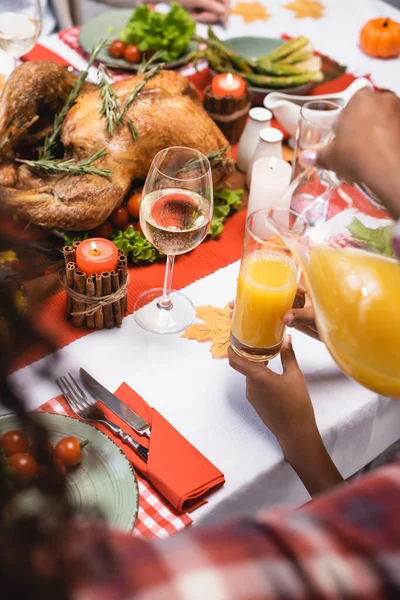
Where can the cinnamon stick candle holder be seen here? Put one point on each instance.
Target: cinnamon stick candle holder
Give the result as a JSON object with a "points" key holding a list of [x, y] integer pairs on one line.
{"points": [[95, 301], [229, 113]]}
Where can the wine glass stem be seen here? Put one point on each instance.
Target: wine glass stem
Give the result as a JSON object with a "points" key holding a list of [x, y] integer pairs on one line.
{"points": [[165, 301]]}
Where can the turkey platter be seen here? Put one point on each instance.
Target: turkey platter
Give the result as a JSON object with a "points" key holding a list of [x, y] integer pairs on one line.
{"points": [[166, 112]]}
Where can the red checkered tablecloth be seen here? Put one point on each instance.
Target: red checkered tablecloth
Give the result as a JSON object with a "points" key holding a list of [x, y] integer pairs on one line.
{"points": [[155, 518]]}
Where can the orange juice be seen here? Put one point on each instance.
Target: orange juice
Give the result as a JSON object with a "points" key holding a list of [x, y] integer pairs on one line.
{"points": [[356, 296], [266, 289]]}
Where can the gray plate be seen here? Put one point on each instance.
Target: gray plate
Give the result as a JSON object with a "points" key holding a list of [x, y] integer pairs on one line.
{"points": [[108, 25], [105, 478], [255, 47]]}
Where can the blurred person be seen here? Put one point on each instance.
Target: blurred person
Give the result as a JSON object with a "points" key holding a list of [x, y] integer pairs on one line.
{"points": [[76, 12], [343, 544]]}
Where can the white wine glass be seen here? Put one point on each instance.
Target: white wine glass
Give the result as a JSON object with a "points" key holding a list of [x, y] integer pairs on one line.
{"points": [[20, 26], [175, 214]]}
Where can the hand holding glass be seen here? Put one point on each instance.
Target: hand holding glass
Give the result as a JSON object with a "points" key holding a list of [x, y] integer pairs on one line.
{"points": [[266, 289]]}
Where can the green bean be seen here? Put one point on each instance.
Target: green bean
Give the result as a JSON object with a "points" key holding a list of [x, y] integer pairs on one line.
{"points": [[278, 68], [287, 48], [281, 82], [302, 54], [239, 62]]}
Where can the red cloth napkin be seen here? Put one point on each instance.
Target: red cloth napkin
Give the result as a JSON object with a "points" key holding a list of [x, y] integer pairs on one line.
{"points": [[39, 52], [176, 469]]}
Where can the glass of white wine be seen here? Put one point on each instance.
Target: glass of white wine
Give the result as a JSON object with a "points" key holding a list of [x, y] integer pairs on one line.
{"points": [[175, 214], [20, 25]]}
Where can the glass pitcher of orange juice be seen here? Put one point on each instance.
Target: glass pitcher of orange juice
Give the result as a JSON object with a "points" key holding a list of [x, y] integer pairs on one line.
{"points": [[343, 242], [267, 285]]}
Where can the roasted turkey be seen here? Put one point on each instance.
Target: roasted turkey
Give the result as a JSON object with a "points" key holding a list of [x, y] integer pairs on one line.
{"points": [[167, 112]]}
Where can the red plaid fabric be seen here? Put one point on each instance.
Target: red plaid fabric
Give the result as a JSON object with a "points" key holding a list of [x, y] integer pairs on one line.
{"points": [[155, 517], [344, 545]]}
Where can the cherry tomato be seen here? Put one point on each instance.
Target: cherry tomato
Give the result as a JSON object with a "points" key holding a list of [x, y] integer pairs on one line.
{"points": [[117, 49], [23, 466], [68, 450], [138, 228], [14, 441], [132, 54], [120, 217], [103, 231], [133, 205]]}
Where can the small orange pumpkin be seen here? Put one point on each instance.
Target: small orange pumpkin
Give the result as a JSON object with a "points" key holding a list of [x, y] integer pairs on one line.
{"points": [[381, 38]]}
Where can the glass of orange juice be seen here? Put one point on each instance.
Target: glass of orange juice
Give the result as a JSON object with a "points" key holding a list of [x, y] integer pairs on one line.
{"points": [[267, 285]]}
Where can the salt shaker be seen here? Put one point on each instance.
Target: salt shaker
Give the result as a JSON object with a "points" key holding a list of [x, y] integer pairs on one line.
{"points": [[269, 145], [259, 118]]}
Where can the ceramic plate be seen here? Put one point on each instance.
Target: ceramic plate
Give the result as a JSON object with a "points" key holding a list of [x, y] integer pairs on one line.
{"points": [[255, 47], [108, 25], [105, 478]]}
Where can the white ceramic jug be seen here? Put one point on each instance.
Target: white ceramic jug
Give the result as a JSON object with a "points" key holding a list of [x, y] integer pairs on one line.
{"points": [[286, 108]]}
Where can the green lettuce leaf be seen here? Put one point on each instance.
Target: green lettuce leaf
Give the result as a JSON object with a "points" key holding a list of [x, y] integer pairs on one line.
{"points": [[74, 236], [377, 240], [152, 30], [225, 202], [135, 246]]}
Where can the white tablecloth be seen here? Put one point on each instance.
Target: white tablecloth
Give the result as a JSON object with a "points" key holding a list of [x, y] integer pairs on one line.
{"points": [[205, 400], [202, 397]]}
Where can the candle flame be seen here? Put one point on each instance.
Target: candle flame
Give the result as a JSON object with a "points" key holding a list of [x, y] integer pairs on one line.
{"points": [[272, 163], [94, 251], [229, 80]]}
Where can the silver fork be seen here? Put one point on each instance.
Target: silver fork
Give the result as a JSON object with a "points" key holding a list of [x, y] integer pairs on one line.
{"points": [[85, 409]]}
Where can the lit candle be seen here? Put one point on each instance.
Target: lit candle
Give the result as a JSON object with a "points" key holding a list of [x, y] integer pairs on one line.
{"points": [[270, 180], [96, 256], [269, 146], [228, 85]]}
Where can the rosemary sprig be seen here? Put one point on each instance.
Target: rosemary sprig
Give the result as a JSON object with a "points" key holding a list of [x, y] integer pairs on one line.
{"points": [[133, 130], [51, 140], [110, 108], [70, 167], [218, 155], [134, 93], [145, 64], [213, 157], [153, 71]]}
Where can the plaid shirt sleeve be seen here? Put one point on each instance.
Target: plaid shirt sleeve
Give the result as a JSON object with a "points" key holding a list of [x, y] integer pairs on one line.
{"points": [[345, 544]]}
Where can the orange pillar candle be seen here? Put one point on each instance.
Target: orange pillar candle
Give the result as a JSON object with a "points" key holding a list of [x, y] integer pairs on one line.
{"points": [[96, 255], [227, 84]]}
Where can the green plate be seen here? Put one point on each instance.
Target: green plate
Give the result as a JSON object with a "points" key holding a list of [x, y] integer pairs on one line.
{"points": [[104, 480], [109, 25], [255, 47]]}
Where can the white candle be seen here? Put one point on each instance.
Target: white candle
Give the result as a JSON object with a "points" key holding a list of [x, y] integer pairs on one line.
{"points": [[270, 179], [269, 146]]}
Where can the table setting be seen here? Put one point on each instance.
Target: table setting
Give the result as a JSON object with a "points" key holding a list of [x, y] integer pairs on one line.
{"points": [[179, 178]]}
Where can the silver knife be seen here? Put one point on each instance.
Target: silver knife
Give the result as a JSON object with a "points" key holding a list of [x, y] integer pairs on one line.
{"points": [[122, 411]]}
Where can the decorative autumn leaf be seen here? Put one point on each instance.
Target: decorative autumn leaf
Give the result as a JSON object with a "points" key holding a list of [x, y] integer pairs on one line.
{"points": [[306, 8], [215, 328], [251, 11]]}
